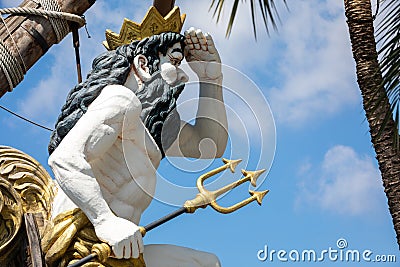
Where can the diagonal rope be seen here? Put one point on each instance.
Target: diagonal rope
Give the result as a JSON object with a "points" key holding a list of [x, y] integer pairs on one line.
{"points": [[15, 44], [10, 66], [25, 119], [60, 26]]}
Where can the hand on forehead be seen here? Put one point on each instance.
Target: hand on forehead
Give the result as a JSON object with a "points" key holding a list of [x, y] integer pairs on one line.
{"points": [[197, 40]]}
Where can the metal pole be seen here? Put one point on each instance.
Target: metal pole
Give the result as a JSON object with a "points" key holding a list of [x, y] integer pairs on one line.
{"points": [[75, 40], [165, 219], [164, 6]]}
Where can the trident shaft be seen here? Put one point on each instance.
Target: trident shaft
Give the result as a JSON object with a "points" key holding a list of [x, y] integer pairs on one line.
{"points": [[203, 199]]}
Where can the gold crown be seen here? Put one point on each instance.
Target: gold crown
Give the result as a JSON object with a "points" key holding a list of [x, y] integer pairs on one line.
{"points": [[153, 23]]}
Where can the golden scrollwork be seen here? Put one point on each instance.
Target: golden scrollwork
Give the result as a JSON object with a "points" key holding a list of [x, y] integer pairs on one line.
{"points": [[10, 218], [25, 187], [71, 237]]}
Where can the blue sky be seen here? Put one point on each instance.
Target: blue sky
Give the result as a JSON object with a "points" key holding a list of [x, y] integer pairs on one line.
{"points": [[324, 182]]}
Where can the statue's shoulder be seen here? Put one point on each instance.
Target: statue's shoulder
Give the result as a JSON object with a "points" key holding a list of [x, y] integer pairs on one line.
{"points": [[118, 98]]}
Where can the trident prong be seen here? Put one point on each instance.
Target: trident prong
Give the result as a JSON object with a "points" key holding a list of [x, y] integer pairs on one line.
{"points": [[259, 195], [253, 175], [205, 197], [231, 163]]}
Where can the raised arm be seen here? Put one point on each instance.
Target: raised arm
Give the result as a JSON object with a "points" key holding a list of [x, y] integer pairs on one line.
{"points": [[207, 138], [94, 133]]}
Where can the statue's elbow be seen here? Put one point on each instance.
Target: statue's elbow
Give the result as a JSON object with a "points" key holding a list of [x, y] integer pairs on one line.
{"points": [[53, 160], [56, 162], [221, 145], [220, 153]]}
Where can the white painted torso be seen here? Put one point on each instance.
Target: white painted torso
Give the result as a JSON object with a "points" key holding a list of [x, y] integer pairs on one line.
{"points": [[127, 183], [125, 172]]}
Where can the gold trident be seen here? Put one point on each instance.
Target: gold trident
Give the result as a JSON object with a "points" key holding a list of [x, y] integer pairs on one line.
{"points": [[202, 200], [205, 197]]}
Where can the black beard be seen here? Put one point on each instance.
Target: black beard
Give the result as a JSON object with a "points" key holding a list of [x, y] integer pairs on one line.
{"points": [[159, 113]]}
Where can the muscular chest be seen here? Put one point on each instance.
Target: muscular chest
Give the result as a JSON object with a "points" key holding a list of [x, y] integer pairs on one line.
{"points": [[136, 139], [126, 172]]}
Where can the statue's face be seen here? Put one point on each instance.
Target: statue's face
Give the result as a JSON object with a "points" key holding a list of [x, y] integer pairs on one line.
{"points": [[169, 65]]}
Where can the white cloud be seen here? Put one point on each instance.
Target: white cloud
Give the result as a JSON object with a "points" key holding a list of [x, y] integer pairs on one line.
{"points": [[310, 58], [308, 62], [344, 183], [315, 68]]}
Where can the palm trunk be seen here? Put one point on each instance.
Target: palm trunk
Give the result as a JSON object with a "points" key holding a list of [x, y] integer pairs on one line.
{"points": [[369, 77]]}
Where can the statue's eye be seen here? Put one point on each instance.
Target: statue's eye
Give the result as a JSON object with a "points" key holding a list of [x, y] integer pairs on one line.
{"points": [[175, 62]]}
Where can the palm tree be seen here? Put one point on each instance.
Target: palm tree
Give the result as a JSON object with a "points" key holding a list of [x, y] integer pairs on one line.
{"points": [[383, 128], [380, 93]]}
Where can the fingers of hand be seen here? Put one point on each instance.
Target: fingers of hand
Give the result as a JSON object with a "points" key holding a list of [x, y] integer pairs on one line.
{"points": [[127, 249], [118, 250], [194, 36], [189, 42], [136, 245], [210, 43], [192, 31], [123, 249], [197, 40], [130, 247], [140, 243], [189, 34], [202, 40]]}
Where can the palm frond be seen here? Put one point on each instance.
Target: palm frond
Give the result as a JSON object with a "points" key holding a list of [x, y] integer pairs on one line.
{"points": [[388, 38], [268, 10]]}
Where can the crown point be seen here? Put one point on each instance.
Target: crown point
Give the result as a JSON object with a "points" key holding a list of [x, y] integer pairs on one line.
{"points": [[153, 23]]}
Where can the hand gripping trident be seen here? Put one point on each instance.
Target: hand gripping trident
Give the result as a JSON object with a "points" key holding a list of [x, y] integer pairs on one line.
{"points": [[202, 200]]}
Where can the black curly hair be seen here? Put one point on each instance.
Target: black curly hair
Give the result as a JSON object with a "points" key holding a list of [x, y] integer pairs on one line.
{"points": [[111, 67]]}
